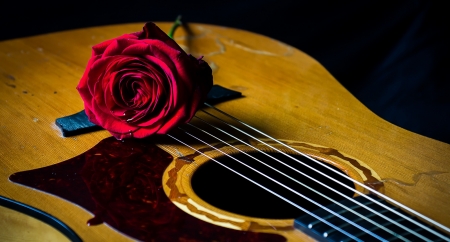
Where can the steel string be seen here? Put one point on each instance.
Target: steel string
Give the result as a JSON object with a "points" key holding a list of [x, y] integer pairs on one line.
{"points": [[268, 190], [298, 182], [346, 177]]}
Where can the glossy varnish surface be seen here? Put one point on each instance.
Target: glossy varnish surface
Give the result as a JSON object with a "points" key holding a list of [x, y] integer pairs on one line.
{"points": [[287, 94]]}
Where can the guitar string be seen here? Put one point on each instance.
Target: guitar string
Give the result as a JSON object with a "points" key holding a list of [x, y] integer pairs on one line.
{"points": [[398, 236], [305, 175], [315, 180], [346, 177], [297, 193], [373, 200], [308, 157], [267, 189]]}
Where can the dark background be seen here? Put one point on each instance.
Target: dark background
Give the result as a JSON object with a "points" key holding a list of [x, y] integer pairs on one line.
{"points": [[392, 55]]}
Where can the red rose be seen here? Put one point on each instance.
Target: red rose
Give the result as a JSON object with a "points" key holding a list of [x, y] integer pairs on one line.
{"points": [[143, 83]]}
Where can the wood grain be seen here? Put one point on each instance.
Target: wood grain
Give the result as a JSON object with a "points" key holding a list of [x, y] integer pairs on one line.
{"points": [[287, 94]]}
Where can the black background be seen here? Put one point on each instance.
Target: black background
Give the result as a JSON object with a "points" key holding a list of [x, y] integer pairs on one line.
{"points": [[392, 55]]}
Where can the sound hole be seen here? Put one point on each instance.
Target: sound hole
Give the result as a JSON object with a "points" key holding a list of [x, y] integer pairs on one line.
{"points": [[226, 190]]}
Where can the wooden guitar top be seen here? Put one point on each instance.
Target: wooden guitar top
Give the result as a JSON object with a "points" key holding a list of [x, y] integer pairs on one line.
{"points": [[287, 94]]}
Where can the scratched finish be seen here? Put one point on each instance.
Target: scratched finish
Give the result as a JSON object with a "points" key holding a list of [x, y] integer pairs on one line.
{"points": [[121, 184]]}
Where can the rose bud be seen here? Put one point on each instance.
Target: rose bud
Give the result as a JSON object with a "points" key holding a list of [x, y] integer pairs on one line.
{"points": [[143, 83]]}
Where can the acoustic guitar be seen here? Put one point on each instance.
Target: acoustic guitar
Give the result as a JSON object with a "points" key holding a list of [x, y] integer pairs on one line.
{"points": [[283, 160]]}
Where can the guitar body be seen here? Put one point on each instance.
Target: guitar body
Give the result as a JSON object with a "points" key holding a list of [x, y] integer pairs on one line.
{"points": [[286, 94]]}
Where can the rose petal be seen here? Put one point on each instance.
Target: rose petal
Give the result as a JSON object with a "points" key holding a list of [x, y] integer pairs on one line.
{"points": [[114, 48], [91, 116], [151, 31], [98, 49], [110, 123]]}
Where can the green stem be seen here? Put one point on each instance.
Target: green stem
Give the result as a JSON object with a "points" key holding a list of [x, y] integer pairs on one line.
{"points": [[174, 26]]}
